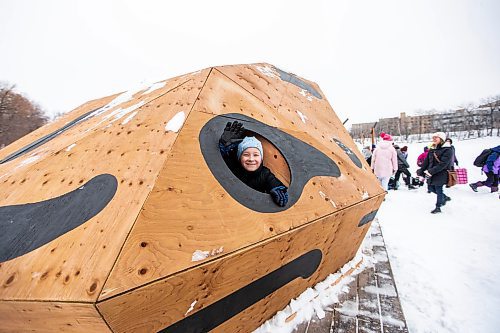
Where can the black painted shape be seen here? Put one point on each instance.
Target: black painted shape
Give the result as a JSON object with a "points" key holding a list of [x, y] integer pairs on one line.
{"points": [[349, 153], [215, 314], [47, 137], [367, 218], [24, 228], [304, 161], [298, 82]]}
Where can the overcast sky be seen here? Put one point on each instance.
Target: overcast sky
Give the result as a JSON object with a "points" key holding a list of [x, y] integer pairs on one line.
{"points": [[371, 58]]}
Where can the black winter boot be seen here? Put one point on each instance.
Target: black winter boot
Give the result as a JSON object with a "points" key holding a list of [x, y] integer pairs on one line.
{"points": [[436, 210], [473, 186]]}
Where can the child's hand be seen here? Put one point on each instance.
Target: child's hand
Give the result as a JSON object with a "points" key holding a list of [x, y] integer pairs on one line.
{"points": [[233, 133], [279, 195]]}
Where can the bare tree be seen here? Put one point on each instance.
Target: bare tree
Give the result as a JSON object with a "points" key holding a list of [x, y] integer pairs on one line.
{"points": [[18, 115], [491, 104]]}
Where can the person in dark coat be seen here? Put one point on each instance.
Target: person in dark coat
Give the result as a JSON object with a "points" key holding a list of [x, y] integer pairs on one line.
{"points": [[244, 156], [492, 170], [402, 169], [435, 168], [454, 160]]}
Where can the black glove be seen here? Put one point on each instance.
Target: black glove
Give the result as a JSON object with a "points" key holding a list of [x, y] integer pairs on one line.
{"points": [[279, 195], [420, 173], [233, 134]]}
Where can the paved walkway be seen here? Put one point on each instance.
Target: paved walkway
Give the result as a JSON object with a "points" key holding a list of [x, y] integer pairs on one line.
{"points": [[372, 304]]}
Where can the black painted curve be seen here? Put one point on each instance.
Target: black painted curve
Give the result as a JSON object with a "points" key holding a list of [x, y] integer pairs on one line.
{"points": [[367, 218], [298, 82], [304, 161], [26, 227], [354, 158], [47, 137], [217, 313]]}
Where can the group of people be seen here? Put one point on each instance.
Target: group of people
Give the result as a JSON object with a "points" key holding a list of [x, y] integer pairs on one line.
{"points": [[388, 161], [244, 155]]}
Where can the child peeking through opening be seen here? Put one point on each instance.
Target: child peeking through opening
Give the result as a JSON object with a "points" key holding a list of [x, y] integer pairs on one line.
{"points": [[244, 155]]}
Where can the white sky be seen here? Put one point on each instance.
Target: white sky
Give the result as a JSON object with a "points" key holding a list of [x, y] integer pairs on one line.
{"points": [[371, 58]]}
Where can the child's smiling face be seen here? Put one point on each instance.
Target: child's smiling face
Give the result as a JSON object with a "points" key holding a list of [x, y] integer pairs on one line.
{"points": [[251, 159]]}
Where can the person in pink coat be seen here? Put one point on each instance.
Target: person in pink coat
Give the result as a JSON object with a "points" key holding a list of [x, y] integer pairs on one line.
{"points": [[384, 160]]}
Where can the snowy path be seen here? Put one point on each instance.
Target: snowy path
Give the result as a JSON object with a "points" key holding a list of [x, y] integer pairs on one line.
{"points": [[446, 266]]}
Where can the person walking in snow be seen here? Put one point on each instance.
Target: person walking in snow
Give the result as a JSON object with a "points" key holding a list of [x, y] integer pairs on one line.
{"points": [[384, 160], [402, 169], [421, 157], [435, 168], [367, 154], [492, 169], [404, 151], [454, 160]]}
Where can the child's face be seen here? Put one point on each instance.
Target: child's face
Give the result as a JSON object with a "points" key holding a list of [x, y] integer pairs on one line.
{"points": [[251, 159]]}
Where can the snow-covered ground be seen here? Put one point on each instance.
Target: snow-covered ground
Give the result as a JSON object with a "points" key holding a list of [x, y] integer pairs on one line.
{"points": [[446, 266]]}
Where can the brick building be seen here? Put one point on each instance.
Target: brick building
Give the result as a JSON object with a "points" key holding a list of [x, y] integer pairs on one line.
{"points": [[485, 116]]}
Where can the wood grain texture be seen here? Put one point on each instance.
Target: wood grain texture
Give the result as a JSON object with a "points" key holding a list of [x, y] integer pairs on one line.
{"points": [[188, 210], [258, 79], [158, 305], [75, 266], [137, 257], [274, 160], [50, 317]]}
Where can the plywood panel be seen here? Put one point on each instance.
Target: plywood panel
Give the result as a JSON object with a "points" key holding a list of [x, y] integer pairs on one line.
{"points": [[54, 125], [188, 210], [75, 265], [258, 79], [221, 96], [297, 109], [160, 304], [50, 317], [116, 111]]}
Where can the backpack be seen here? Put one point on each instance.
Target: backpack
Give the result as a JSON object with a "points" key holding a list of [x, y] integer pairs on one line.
{"points": [[480, 160]]}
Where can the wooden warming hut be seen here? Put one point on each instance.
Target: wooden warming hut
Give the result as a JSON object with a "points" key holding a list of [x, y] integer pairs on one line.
{"points": [[121, 216]]}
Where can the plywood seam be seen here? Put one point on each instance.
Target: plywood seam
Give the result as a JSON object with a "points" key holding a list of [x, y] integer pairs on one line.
{"points": [[102, 317], [246, 91], [44, 301], [236, 252], [155, 179]]}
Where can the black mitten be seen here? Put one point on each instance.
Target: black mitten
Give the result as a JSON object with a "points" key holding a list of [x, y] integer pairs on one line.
{"points": [[233, 133], [279, 195]]}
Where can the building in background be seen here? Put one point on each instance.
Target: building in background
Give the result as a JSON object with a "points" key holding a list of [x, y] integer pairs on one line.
{"points": [[471, 120]]}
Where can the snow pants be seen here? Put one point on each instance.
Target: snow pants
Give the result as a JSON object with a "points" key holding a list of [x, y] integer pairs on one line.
{"points": [[384, 181], [404, 171], [491, 180], [438, 189]]}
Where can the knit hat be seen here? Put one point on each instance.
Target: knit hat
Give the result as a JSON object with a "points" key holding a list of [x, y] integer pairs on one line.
{"points": [[385, 136], [249, 142], [426, 148], [440, 135]]}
